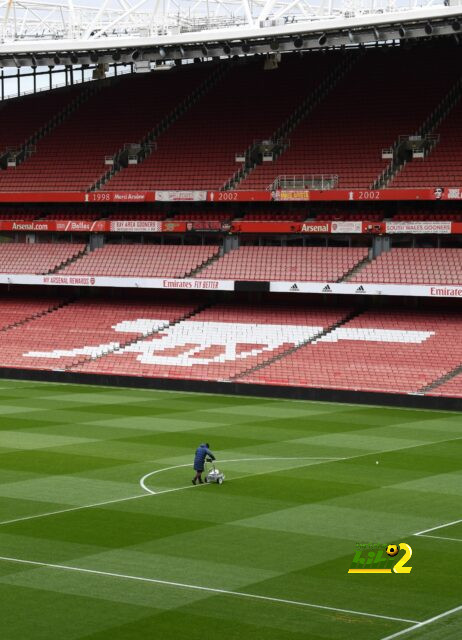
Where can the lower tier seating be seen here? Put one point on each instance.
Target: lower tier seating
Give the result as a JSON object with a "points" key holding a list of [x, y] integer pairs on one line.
{"points": [[389, 351], [218, 343], [451, 388], [309, 345], [15, 310], [83, 329]]}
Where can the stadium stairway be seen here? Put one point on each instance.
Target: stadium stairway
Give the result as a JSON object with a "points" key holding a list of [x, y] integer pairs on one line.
{"points": [[343, 136], [123, 345], [301, 112], [147, 144], [432, 122], [243, 374], [456, 371], [70, 260], [356, 269], [193, 273], [28, 147]]}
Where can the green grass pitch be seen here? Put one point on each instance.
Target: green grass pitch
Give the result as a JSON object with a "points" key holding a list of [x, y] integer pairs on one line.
{"points": [[264, 556]]}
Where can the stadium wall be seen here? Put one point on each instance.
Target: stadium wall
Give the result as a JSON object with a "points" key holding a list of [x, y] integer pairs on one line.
{"points": [[410, 401]]}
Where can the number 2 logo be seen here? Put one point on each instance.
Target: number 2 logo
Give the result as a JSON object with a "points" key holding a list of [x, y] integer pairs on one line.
{"points": [[400, 567]]}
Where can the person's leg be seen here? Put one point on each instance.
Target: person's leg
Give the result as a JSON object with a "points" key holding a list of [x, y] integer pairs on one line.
{"points": [[198, 477]]}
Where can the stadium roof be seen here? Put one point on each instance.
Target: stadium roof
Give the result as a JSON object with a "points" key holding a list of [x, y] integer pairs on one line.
{"points": [[123, 30]]}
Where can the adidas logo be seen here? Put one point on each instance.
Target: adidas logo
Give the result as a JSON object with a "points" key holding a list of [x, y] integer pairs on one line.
{"points": [[327, 289], [294, 288], [360, 289]]}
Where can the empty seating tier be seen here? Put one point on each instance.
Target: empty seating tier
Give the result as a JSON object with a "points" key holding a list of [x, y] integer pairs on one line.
{"points": [[285, 263], [414, 266], [345, 134], [382, 351], [14, 310], [248, 104], [150, 261], [36, 258], [219, 343], [452, 388], [72, 156], [27, 115], [385, 350], [82, 330], [443, 166]]}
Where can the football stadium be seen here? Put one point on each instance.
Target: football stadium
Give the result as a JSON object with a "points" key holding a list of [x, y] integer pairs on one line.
{"points": [[230, 320]]}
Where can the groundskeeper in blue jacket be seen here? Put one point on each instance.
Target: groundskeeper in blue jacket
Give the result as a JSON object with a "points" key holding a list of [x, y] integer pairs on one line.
{"points": [[202, 452]]}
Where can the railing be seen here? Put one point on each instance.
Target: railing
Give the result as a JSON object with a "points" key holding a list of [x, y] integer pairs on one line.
{"points": [[305, 181], [431, 138]]}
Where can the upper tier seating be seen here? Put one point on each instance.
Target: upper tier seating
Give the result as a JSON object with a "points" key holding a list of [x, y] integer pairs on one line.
{"points": [[347, 131], [249, 104], [285, 263], [26, 115], [443, 166], [150, 261], [83, 329], [414, 266], [384, 351], [35, 258], [72, 156]]}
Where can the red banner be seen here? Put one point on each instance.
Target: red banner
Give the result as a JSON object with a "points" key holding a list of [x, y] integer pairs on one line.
{"points": [[128, 197], [301, 195], [43, 196], [242, 226], [363, 195], [275, 227], [89, 226], [239, 196]]}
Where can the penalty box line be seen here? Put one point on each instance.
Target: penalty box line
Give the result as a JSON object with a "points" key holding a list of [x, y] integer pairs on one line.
{"points": [[425, 535], [419, 625], [211, 590], [440, 526]]}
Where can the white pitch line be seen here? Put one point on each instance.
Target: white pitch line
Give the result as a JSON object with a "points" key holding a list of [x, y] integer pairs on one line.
{"points": [[188, 464], [101, 504], [419, 625], [148, 491], [440, 526], [425, 535], [195, 587]]}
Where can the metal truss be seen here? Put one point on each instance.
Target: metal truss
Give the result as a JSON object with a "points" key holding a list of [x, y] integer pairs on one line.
{"points": [[44, 26]]}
